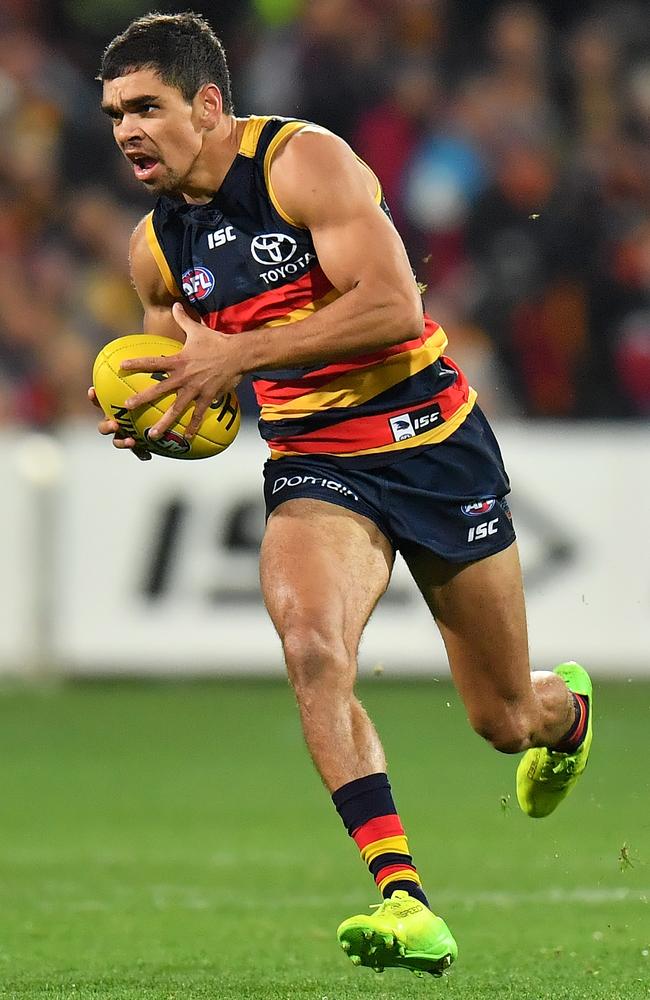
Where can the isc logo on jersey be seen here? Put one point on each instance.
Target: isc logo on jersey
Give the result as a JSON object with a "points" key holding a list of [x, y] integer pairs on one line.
{"points": [[221, 236], [198, 282]]}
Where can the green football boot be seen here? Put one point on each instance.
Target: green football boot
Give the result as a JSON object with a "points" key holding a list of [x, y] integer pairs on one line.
{"points": [[402, 933], [545, 777]]}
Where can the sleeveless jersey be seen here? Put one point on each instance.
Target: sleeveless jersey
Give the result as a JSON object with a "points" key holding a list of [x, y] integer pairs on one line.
{"points": [[243, 263]]}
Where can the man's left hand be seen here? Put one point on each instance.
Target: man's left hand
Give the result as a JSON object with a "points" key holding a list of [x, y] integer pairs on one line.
{"points": [[204, 370]]}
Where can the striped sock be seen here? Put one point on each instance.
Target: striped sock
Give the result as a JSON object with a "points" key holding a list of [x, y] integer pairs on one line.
{"points": [[368, 812], [576, 734]]}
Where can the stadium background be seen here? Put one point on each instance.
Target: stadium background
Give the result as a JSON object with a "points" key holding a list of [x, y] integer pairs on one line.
{"points": [[149, 847], [476, 115], [512, 143]]}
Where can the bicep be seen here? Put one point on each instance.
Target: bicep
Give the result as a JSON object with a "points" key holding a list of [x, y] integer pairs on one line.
{"points": [[159, 320], [324, 185], [361, 245]]}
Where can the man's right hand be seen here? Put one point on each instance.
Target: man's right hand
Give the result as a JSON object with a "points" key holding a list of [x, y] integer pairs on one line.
{"points": [[107, 427]]}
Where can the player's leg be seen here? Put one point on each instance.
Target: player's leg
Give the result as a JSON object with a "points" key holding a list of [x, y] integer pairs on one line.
{"points": [[323, 569], [479, 608]]}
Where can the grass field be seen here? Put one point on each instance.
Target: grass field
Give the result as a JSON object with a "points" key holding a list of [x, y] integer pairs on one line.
{"points": [[172, 841]]}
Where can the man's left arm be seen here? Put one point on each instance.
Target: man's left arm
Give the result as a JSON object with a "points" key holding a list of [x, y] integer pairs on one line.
{"points": [[319, 182]]}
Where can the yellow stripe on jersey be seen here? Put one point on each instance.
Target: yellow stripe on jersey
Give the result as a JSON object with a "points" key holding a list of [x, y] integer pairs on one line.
{"points": [[160, 259], [434, 436], [285, 132], [357, 387], [305, 311], [251, 135], [392, 845], [378, 192]]}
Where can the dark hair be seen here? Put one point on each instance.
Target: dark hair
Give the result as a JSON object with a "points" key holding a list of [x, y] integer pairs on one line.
{"points": [[181, 48]]}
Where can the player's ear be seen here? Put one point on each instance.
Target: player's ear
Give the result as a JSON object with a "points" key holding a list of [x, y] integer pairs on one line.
{"points": [[209, 105]]}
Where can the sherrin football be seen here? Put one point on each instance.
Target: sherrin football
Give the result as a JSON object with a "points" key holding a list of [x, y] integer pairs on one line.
{"points": [[113, 387]]}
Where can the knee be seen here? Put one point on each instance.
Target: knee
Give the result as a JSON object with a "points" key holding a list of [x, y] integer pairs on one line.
{"points": [[315, 656], [507, 730]]}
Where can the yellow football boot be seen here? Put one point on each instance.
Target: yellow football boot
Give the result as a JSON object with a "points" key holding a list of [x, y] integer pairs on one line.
{"points": [[545, 777], [402, 933]]}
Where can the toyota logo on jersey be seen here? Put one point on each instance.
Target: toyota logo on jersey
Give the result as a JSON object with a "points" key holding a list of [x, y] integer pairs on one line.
{"points": [[198, 282], [273, 248], [478, 508]]}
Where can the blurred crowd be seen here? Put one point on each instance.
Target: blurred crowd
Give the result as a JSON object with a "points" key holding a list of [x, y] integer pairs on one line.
{"points": [[512, 140]]}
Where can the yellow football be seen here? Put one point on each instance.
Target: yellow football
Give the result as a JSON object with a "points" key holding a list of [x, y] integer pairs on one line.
{"points": [[113, 387]]}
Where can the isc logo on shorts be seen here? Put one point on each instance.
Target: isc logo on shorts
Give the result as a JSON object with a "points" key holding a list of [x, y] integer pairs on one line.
{"points": [[408, 425], [478, 531]]}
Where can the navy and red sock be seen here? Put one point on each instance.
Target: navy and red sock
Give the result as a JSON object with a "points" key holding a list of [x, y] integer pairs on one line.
{"points": [[368, 812], [576, 734]]}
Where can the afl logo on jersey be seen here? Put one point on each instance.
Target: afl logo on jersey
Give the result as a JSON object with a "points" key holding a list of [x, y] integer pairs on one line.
{"points": [[198, 282], [273, 248], [478, 508]]}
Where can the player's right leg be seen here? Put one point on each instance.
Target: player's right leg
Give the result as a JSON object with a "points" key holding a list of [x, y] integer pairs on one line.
{"points": [[323, 569]]}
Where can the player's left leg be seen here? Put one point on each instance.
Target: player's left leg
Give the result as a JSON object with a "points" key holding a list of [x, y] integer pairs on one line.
{"points": [[479, 608]]}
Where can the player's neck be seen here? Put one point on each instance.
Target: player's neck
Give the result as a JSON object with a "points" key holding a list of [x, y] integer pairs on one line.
{"points": [[214, 161]]}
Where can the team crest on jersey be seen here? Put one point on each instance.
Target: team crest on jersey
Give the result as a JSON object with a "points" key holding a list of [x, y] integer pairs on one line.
{"points": [[402, 427], [478, 508], [198, 282]]}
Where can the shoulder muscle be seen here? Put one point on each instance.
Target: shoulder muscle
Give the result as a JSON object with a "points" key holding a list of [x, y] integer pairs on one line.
{"points": [[311, 166], [323, 185]]}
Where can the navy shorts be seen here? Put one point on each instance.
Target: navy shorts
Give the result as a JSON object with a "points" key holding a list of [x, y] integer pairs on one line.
{"points": [[449, 498]]}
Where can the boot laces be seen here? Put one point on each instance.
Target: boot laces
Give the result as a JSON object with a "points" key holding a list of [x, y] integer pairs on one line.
{"points": [[559, 766], [387, 904]]}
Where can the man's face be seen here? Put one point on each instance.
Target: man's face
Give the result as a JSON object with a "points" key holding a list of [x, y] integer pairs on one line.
{"points": [[155, 128]]}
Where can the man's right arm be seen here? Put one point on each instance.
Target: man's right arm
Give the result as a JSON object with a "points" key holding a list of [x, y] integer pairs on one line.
{"points": [[157, 303], [156, 299]]}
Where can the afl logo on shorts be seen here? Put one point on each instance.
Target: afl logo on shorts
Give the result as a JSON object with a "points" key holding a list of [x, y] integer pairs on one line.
{"points": [[478, 508], [198, 282]]}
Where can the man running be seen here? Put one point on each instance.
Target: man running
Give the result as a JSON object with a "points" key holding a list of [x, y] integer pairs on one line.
{"points": [[271, 251]]}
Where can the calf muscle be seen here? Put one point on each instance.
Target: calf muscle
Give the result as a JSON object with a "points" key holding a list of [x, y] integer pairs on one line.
{"points": [[323, 569], [479, 608]]}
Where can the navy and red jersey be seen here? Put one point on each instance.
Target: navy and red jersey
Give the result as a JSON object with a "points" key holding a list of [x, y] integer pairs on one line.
{"points": [[243, 263]]}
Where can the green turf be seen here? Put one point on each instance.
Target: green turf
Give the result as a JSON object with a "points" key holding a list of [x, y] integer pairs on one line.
{"points": [[172, 841]]}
